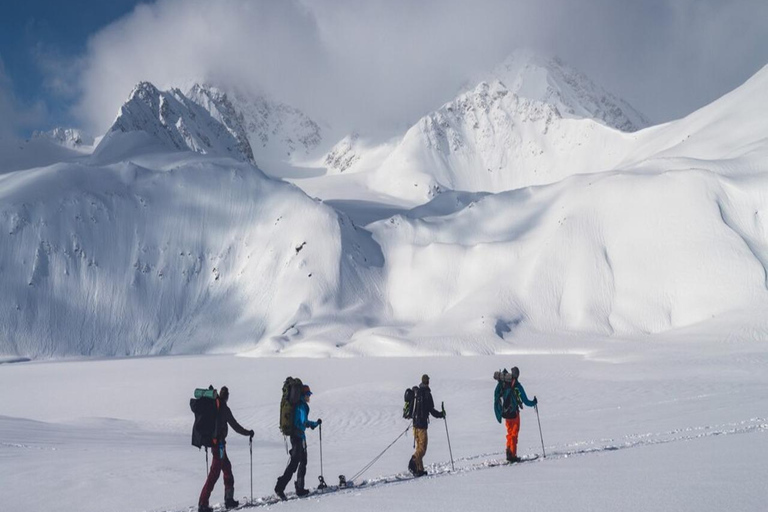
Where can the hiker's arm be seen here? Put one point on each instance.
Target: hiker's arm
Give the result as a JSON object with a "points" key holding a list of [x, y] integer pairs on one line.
{"points": [[236, 426], [434, 412], [524, 397]]}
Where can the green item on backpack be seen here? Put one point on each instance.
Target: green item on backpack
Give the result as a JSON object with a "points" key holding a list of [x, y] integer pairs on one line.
{"points": [[205, 393], [410, 399]]}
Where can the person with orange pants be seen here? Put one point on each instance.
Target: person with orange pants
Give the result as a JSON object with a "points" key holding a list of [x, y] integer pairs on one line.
{"points": [[508, 399]]}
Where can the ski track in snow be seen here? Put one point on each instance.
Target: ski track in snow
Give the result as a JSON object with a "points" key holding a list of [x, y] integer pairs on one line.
{"points": [[490, 460]]}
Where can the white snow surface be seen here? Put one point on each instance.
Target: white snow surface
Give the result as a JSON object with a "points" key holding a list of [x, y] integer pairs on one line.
{"points": [[673, 423], [165, 251], [164, 255], [571, 92]]}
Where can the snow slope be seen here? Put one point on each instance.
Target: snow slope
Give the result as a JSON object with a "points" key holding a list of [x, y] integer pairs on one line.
{"points": [[169, 253], [677, 234], [613, 253]]}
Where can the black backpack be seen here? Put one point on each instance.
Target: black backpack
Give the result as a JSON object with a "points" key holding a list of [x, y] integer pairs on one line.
{"points": [[410, 402], [292, 389], [203, 405]]}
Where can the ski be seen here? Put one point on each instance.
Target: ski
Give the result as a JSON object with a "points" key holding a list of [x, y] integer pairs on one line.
{"points": [[365, 484]]}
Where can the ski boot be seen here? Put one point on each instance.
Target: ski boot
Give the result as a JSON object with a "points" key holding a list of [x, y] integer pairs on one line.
{"points": [[204, 508], [280, 493], [229, 499], [412, 467]]}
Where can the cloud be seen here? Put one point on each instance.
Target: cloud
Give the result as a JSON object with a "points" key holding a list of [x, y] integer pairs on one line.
{"points": [[379, 64]]}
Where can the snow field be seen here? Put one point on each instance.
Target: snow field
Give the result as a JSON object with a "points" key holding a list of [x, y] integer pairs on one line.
{"points": [[683, 417]]}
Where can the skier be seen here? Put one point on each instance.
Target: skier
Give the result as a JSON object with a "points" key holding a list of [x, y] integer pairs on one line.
{"points": [[220, 461], [508, 399], [298, 447], [424, 405]]}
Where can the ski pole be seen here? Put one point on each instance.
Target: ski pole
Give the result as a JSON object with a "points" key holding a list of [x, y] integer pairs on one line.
{"points": [[321, 478], [442, 404], [206, 460], [540, 434], [250, 447]]}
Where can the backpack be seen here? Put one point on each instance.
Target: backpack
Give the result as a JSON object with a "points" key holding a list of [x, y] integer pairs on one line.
{"points": [[290, 399], [510, 397], [203, 405], [410, 402]]}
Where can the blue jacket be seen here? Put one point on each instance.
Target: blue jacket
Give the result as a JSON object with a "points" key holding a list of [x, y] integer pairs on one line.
{"points": [[500, 394], [301, 419]]}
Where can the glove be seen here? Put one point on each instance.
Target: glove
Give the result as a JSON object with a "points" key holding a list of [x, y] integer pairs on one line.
{"points": [[535, 401], [442, 414], [319, 421], [251, 433]]}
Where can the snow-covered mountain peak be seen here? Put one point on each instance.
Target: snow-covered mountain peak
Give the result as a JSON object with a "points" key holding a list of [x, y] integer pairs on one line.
{"points": [[277, 132], [67, 137], [177, 122], [552, 81], [487, 115], [344, 154]]}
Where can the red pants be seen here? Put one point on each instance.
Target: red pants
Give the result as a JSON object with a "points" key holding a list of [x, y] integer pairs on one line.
{"points": [[513, 430], [220, 463]]}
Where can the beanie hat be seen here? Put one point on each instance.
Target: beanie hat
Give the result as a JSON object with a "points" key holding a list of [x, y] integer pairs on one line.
{"points": [[425, 379]]}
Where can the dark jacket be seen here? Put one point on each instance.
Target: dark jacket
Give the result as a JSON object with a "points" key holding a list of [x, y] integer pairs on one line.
{"points": [[223, 419], [423, 407], [514, 396]]}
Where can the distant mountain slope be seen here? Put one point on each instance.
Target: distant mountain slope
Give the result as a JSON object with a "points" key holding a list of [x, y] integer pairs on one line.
{"points": [[275, 131], [170, 120], [490, 139], [531, 121], [43, 148], [550, 80]]}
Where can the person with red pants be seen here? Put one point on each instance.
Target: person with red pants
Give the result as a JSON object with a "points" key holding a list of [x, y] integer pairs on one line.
{"points": [[224, 419], [508, 400]]}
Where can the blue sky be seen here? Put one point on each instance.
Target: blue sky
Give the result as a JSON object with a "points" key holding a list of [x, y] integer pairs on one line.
{"points": [[35, 30]]}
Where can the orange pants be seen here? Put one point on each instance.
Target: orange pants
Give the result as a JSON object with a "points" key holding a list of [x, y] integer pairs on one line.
{"points": [[513, 431]]}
